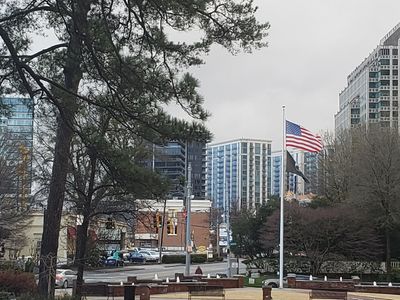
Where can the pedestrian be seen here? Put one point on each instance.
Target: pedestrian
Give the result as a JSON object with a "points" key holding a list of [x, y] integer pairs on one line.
{"points": [[198, 271]]}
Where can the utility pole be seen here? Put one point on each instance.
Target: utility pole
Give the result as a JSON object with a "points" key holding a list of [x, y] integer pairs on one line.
{"points": [[188, 212], [161, 233], [228, 236]]}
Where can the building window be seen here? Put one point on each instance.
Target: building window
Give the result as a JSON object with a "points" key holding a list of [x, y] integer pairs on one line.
{"points": [[395, 51], [394, 62], [384, 62], [373, 74], [385, 82], [385, 72]]}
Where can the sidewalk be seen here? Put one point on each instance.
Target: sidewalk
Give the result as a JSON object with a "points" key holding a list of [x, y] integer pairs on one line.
{"points": [[256, 294], [277, 294]]}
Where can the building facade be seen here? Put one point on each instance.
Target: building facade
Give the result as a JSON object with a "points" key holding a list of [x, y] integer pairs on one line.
{"points": [[371, 94], [16, 141], [308, 165], [149, 225], [238, 173], [172, 161]]}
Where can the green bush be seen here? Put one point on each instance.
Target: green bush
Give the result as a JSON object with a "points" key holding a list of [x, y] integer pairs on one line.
{"points": [[198, 258], [215, 258], [181, 259], [7, 265], [17, 282]]}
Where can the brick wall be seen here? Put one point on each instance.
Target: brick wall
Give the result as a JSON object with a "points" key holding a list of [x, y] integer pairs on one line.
{"points": [[176, 238]]}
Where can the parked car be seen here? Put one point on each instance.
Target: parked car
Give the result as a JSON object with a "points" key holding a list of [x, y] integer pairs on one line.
{"points": [[151, 255], [137, 257], [65, 278], [112, 261], [274, 282]]}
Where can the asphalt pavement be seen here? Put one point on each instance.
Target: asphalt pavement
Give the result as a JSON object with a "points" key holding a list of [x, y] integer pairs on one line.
{"points": [[148, 271]]}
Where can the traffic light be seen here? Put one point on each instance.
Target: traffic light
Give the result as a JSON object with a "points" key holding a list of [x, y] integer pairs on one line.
{"points": [[169, 227], [110, 224], [2, 250], [157, 221]]}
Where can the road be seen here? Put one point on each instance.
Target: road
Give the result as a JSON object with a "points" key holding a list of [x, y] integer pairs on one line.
{"points": [[148, 271]]}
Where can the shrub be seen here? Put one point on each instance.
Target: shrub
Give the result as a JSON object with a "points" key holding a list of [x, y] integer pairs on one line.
{"points": [[17, 282], [181, 259], [215, 258], [7, 265], [198, 258]]}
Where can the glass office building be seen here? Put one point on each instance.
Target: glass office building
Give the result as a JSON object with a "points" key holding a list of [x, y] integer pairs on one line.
{"points": [[172, 161], [16, 129], [238, 173]]}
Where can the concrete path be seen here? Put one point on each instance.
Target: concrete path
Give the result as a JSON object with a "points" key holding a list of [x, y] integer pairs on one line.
{"points": [[256, 294]]}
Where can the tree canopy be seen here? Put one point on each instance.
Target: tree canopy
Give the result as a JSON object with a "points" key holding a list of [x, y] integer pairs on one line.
{"points": [[118, 56]]}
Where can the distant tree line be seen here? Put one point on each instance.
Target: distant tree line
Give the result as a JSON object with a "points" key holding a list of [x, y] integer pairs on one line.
{"points": [[355, 217]]}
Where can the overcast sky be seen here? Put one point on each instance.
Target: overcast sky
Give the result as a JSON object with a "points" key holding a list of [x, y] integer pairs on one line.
{"points": [[313, 46]]}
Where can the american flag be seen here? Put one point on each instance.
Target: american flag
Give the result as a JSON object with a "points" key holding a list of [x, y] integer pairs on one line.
{"points": [[301, 138]]}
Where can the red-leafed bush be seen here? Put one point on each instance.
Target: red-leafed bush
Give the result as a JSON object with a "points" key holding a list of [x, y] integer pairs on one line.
{"points": [[17, 282]]}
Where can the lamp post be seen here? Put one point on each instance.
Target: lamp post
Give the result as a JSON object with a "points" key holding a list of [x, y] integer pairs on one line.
{"points": [[188, 212]]}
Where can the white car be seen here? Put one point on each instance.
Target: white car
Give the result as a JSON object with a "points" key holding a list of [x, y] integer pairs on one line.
{"points": [[65, 278], [274, 282], [151, 255]]}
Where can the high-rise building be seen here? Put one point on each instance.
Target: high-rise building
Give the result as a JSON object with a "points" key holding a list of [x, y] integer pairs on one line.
{"points": [[195, 155], [238, 173], [172, 161], [308, 165], [371, 95], [16, 130]]}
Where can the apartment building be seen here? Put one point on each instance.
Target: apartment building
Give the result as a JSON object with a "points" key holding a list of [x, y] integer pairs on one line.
{"points": [[308, 165], [238, 173], [371, 94]]}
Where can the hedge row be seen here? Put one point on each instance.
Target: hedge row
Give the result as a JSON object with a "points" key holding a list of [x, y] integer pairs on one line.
{"points": [[181, 259], [215, 258], [17, 282]]}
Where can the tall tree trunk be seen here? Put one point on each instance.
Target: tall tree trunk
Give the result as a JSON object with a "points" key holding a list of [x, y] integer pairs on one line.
{"points": [[81, 240], [82, 233], [388, 255], [52, 219], [67, 105]]}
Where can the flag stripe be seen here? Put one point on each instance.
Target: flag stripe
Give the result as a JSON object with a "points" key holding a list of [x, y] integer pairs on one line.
{"points": [[301, 138], [315, 143]]}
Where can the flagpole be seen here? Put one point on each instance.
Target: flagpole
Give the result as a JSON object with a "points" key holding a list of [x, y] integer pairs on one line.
{"points": [[283, 188]]}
